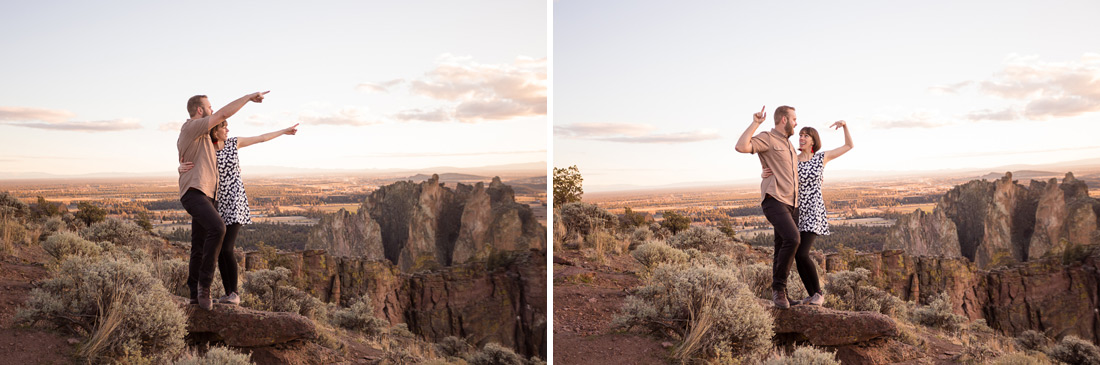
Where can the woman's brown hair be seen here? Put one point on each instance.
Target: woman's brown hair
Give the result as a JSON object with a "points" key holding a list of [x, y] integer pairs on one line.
{"points": [[810, 131]]}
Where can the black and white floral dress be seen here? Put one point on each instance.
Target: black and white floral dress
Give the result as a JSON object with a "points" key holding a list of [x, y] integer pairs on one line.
{"points": [[811, 207], [232, 202]]}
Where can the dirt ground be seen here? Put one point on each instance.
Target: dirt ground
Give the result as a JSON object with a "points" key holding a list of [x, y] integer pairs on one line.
{"points": [[27, 345], [587, 296]]}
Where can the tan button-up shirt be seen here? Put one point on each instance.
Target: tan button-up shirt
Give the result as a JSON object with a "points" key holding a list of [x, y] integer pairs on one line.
{"points": [[194, 145], [777, 153]]}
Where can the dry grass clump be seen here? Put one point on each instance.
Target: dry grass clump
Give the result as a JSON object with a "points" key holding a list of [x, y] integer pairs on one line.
{"points": [[700, 238], [1074, 350], [805, 355], [654, 253], [360, 317], [452, 346], [759, 279], [852, 291], [1022, 359], [708, 308], [939, 314], [124, 310], [215, 356], [272, 290]]}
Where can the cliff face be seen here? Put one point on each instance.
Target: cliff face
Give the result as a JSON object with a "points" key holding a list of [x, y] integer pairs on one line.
{"points": [[1001, 222], [1055, 295], [504, 302], [426, 225]]}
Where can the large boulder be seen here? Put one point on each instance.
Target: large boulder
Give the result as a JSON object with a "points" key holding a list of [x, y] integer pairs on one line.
{"points": [[242, 327], [828, 327]]}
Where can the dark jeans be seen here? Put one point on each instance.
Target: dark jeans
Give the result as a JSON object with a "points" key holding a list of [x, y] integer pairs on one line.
{"points": [[807, 269], [783, 218], [207, 231], [227, 260]]}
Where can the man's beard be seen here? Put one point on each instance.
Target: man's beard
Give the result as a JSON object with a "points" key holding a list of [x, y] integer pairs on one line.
{"points": [[789, 129]]}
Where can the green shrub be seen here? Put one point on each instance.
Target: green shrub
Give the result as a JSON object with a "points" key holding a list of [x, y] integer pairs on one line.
{"points": [[12, 207], [1033, 340], [172, 273], [117, 303], [62, 245], [759, 279], [700, 238], [453, 347], [360, 317], [495, 354], [805, 355], [708, 308], [216, 356], [583, 219], [939, 314], [272, 290], [639, 236], [852, 291], [1074, 350], [653, 253], [54, 224], [122, 233]]}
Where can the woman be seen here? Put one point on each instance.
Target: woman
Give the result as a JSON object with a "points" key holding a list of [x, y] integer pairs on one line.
{"points": [[811, 207], [231, 201]]}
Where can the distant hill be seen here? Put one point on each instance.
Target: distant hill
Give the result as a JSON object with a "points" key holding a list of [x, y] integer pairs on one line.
{"points": [[1023, 175]]}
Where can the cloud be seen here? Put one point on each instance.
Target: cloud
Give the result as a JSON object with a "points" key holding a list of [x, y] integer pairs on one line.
{"points": [[170, 127], [381, 87], [96, 126], [346, 116], [451, 154], [628, 133], [436, 115], [20, 114], [950, 89], [919, 119], [484, 92], [1049, 89], [986, 114]]}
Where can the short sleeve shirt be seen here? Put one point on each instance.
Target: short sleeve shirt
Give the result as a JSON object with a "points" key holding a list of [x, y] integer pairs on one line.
{"points": [[777, 153], [194, 145]]}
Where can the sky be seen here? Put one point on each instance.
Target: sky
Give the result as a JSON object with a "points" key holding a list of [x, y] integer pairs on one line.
{"points": [[91, 87], [648, 93]]}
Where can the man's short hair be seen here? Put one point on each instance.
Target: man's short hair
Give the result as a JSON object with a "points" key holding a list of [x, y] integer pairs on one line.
{"points": [[781, 112], [194, 104]]}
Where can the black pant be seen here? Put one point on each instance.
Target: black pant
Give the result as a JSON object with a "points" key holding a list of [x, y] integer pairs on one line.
{"points": [[207, 231], [807, 269], [227, 260], [783, 218]]}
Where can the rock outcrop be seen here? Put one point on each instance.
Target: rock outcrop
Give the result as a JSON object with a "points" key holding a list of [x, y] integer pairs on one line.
{"points": [[245, 328], [426, 225], [1055, 295], [828, 327], [501, 300], [1002, 222]]}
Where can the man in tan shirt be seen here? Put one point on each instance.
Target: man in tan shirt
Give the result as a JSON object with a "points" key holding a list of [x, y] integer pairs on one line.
{"points": [[778, 191], [198, 187]]}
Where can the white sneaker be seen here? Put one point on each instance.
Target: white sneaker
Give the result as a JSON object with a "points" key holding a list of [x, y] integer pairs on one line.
{"points": [[816, 299], [232, 298]]}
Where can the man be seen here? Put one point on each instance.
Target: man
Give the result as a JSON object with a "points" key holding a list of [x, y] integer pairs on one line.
{"points": [[198, 187], [779, 191]]}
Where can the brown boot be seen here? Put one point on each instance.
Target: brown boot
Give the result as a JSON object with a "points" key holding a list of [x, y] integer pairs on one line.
{"points": [[204, 298], [779, 298]]}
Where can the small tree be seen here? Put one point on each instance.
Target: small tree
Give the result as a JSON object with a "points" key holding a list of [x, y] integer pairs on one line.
{"points": [[567, 185], [675, 222], [629, 220], [90, 213]]}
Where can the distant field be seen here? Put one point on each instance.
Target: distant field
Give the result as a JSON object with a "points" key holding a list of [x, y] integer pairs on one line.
{"points": [[328, 208], [296, 220]]}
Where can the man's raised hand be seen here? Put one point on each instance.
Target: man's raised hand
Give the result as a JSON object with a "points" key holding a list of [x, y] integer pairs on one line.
{"points": [[758, 118], [258, 97]]}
